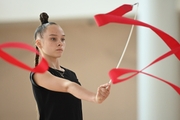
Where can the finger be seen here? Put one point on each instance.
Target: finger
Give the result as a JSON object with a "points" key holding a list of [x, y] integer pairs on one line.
{"points": [[105, 85], [108, 87], [101, 92], [104, 92]]}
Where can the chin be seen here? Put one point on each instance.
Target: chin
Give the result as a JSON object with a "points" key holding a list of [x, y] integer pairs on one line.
{"points": [[58, 56]]}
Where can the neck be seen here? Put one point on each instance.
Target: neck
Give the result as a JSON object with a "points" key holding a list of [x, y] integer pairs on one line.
{"points": [[53, 63]]}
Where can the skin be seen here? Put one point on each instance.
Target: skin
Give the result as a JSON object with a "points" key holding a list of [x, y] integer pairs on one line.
{"points": [[51, 47]]}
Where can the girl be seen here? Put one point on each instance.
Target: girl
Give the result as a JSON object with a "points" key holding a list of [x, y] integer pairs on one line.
{"points": [[58, 92]]}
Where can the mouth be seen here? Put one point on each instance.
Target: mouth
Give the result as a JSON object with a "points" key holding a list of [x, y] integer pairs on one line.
{"points": [[59, 49]]}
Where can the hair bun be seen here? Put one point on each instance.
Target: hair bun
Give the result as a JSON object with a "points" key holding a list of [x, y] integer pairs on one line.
{"points": [[44, 18]]}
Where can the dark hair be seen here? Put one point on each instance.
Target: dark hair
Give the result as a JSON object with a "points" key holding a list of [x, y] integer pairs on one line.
{"points": [[40, 30]]}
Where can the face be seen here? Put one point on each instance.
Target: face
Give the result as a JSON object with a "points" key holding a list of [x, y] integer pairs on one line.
{"points": [[52, 43]]}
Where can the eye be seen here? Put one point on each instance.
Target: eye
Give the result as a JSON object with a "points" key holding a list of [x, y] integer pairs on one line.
{"points": [[62, 40], [53, 39]]}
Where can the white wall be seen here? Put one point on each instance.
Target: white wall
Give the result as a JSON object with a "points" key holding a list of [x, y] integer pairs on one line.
{"points": [[28, 10], [25, 10]]}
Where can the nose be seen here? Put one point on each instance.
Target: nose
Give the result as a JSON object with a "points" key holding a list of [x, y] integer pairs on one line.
{"points": [[60, 43]]}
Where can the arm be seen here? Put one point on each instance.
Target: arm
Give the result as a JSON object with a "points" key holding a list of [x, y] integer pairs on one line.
{"points": [[54, 83]]}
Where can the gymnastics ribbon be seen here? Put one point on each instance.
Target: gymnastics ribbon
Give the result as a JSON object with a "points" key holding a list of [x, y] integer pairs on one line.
{"points": [[127, 42], [40, 68], [116, 16]]}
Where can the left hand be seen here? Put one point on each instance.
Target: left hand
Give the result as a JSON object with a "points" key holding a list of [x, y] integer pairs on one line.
{"points": [[103, 92]]}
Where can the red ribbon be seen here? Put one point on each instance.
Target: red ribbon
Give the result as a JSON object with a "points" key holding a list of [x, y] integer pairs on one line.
{"points": [[42, 67], [115, 16]]}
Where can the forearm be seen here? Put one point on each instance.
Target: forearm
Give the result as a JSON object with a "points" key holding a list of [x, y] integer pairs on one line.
{"points": [[80, 92]]}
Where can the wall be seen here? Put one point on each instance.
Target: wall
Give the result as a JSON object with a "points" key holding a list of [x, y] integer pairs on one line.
{"points": [[91, 52], [23, 10]]}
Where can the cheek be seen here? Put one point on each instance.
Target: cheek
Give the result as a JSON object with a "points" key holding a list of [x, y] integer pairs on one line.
{"points": [[47, 47]]}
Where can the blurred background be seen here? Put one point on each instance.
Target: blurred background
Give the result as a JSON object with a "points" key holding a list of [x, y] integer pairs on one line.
{"points": [[91, 52]]}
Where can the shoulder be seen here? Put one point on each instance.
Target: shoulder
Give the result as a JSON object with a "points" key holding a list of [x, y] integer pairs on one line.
{"points": [[49, 81], [31, 76]]}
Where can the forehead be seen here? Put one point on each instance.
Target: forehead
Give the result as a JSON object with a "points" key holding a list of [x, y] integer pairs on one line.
{"points": [[54, 29]]}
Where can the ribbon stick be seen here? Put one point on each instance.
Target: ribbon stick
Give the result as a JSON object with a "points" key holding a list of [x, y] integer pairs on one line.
{"points": [[42, 67], [130, 34], [115, 16]]}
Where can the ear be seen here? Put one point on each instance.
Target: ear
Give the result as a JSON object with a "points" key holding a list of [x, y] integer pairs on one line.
{"points": [[38, 43]]}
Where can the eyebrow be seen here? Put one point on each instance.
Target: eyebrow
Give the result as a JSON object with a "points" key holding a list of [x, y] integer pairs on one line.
{"points": [[54, 35]]}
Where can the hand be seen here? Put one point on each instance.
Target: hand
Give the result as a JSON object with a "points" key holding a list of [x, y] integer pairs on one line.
{"points": [[102, 93]]}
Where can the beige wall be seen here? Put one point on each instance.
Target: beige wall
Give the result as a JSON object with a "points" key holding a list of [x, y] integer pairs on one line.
{"points": [[91, 52]]}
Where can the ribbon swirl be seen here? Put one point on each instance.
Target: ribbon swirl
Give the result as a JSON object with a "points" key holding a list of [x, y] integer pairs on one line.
{"points": [[42, 67], [116, 16]]}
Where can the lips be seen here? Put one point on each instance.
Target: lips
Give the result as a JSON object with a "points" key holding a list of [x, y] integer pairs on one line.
{"points": [[59, 49]]}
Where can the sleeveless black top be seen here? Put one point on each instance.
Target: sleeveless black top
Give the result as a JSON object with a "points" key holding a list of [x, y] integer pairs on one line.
{"points": [[57, 105]]}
